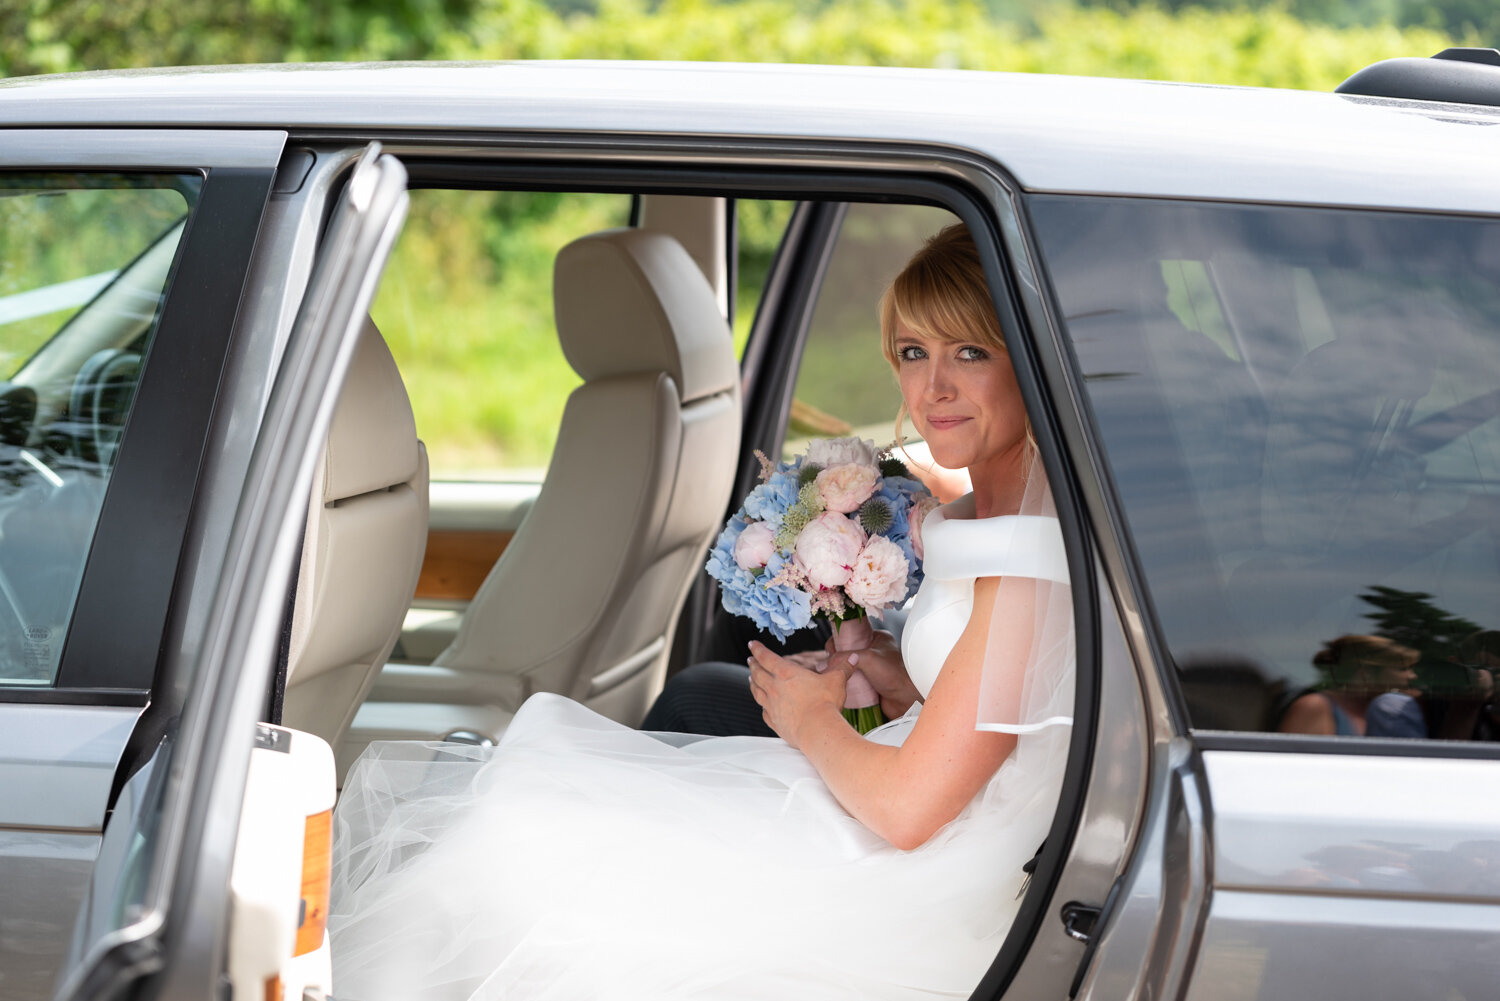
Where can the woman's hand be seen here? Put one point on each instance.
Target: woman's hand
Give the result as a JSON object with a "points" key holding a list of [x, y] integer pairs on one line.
{"points": [[793, 699], [882, 665]]}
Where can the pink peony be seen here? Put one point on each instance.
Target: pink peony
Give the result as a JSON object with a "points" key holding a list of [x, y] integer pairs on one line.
{"points": [[829, 452], [844, 488], [753, 549], [879, 576], [921, 507], [827, 548]]}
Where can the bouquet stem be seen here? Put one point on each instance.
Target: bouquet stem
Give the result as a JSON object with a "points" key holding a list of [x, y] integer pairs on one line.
{"points": [[865, 718], [861, 701]]}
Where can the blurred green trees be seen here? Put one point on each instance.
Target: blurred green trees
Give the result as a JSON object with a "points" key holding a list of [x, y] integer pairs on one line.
{"points": [[1303, 43]]}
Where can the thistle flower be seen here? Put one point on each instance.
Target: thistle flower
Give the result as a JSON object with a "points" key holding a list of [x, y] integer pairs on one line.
{"points": [[892, 466], [875, 516], [808, 473]]}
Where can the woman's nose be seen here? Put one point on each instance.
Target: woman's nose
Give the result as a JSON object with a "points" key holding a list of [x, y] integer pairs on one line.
{"points": [[939, 382]]}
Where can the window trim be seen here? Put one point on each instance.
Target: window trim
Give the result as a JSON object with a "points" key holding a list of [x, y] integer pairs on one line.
{"points": [[111, 648]]}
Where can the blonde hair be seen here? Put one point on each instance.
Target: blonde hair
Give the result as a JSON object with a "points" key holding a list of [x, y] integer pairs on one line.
{"points": [[942, 293]]}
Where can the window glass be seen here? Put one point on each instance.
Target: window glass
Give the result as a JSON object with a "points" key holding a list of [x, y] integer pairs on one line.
{"points": [[1301, 409], [844, 384], [759, 227], [466, 307], [84, 262]]}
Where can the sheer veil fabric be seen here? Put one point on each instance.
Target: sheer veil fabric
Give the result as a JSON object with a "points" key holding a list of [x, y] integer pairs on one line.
{"points": [[580, 859]]}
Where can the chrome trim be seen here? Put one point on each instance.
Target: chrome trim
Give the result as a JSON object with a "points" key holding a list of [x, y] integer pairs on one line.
{"points": [[161, 149]]}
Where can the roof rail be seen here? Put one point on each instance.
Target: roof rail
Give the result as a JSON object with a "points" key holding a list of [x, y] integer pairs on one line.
{"points": [[1453, 76]]}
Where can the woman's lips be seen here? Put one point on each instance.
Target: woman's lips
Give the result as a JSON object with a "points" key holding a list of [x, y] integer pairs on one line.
{"points": [[944, 423]]}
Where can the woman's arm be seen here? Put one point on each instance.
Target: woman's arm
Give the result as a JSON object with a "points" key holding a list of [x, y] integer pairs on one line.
{"points": [[1309, 713], [904, 794]]}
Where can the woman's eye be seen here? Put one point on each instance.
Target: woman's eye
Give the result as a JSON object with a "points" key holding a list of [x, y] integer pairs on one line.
{"points": [[970, 353], [911, 353]]}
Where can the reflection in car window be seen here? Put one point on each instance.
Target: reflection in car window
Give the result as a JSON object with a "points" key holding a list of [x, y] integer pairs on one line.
{"points": [[84, 262], [1301, 409]]}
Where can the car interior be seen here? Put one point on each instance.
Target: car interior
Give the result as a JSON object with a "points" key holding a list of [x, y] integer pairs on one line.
{"points": [[647, 452]]}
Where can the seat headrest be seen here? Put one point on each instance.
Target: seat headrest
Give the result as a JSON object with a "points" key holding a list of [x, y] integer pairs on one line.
{"points": [[631, 300], [372, 442]]}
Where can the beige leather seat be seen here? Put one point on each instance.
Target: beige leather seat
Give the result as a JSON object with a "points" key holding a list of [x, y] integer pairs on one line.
{"points": [[366, 532], [586, 597]]}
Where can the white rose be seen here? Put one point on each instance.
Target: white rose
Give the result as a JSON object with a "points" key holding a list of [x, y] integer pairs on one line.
{"points": [[829, 452], [879, 576]]}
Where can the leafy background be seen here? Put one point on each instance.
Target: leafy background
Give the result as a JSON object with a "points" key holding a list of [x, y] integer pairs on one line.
{"points": [[466, 304]]}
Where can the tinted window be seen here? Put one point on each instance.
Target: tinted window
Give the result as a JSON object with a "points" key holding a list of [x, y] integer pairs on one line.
{"points": [[84, 262], [1300, 411]]}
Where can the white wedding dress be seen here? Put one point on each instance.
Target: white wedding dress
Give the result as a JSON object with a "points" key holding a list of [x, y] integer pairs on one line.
{"points": [[583, 860]]}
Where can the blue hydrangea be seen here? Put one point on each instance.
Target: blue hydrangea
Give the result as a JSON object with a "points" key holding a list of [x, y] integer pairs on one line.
{"points": [[770, 500], [897, 491], [721, 564], [780, 610]]}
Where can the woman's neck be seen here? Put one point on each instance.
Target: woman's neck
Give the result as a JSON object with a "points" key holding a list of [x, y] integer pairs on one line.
{"points": [[1000, 482]]}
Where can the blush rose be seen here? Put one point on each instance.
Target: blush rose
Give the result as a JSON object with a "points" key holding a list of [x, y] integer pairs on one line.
{"points": [[878, 579], [753, 549], [844, 488], [827, 548]]}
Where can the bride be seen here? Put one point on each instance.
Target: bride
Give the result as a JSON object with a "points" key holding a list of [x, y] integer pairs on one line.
{"points": [[580, 859]]}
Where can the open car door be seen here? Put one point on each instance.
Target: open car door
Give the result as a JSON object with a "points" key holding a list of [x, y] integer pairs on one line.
{"points": [[156, 920]]}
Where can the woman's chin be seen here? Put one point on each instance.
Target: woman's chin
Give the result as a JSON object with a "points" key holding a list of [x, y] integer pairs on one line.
{"points": [[948, 455]]}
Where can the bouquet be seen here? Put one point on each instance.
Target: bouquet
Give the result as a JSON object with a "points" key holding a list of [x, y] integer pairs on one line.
{"points": [[829, 534]]}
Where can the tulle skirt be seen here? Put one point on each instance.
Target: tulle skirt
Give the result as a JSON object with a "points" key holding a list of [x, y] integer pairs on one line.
{"points": [[580, 859]]}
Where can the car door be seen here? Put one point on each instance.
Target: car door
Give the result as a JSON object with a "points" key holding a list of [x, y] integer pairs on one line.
{"points": [[125, 259], [813, 368], [1295, 417], [166, 851]]}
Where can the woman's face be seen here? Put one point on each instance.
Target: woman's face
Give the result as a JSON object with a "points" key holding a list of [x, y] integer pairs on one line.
{"points": [[963, 399], [1395, 676], [1378, 675]]}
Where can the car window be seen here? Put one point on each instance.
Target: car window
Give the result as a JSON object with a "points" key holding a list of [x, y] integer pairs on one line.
{"points": [[759, 226], [466, 307], [1300, 409], [84, 264], [844, 384]]}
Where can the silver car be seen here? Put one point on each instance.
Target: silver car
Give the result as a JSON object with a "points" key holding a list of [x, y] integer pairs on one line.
{"points": [[1258, 334]]}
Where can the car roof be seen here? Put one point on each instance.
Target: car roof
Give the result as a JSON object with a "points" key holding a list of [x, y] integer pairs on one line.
{"points": [[1052, 133]]}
